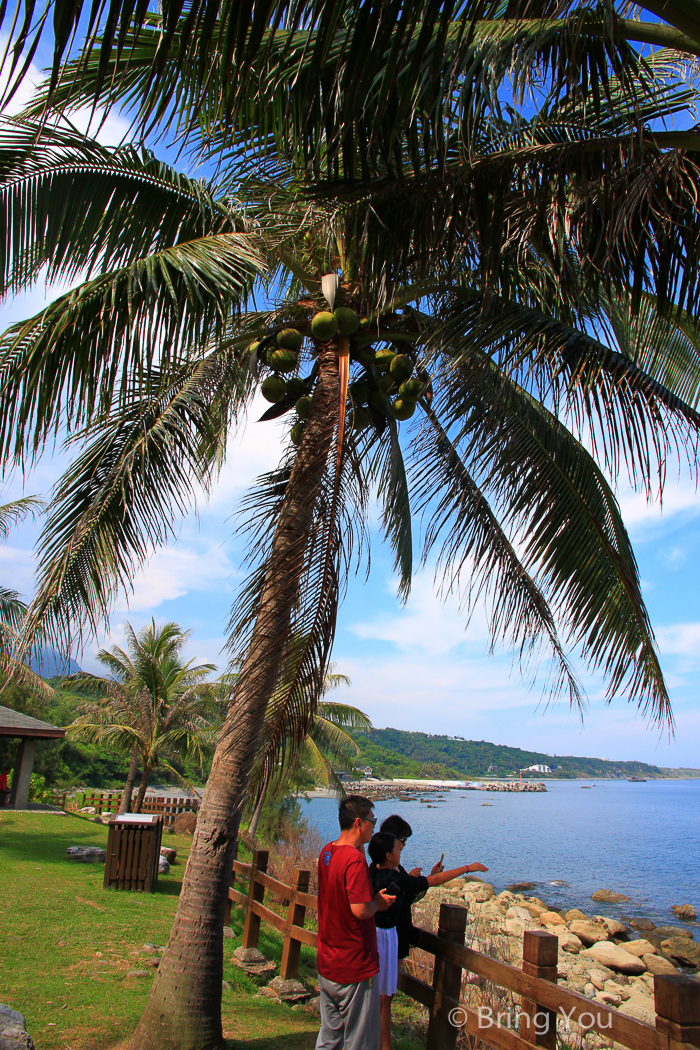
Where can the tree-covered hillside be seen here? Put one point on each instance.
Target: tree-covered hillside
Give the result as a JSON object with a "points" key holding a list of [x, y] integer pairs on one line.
{"points": [[391, 752]]}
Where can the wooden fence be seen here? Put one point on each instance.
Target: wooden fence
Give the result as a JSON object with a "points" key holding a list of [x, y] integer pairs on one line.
{"points": [[542, 1000], [167, 806]]}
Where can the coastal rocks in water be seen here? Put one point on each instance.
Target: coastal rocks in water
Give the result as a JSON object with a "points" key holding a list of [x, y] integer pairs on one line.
{"points": [[615, 957], [609, 897], [13, 1030], [673, 931], [574, 913], [614, 928], [520, 887], [687, 952], [551, 918], [640, 948], [684, 911], [642, 924], [588, 932], [655, 964], [87, 854]]}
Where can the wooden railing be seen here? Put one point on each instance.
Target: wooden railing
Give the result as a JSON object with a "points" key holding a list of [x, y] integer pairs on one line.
{"points": [[541, 1000], [167, 806]]}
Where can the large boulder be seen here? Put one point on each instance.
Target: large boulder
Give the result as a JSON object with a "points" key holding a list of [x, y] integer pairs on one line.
{"points": [[684, 911], [168, 853], [614, 928], [588, 932], [673, 931], [639, 1007], [608, 897], [163, 865], [575, 913], [520, 887], [640, 948], [185, 824], [13, 1030], [642, 923], [687, 952], [87, 854], [655, 964], [615, 958], [551, 918], [516, 912], [289, 991]]}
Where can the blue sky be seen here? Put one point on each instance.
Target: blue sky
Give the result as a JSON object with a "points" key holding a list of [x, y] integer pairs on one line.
{"points": [[412, 667]]}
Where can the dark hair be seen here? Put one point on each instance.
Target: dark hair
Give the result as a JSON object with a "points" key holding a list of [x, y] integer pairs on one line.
{"points": [[351, 807], [380, 844], [396, 826]]}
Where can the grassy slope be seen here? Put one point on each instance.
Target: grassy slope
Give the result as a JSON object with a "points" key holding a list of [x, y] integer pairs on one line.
{"points": [[66, 945]]}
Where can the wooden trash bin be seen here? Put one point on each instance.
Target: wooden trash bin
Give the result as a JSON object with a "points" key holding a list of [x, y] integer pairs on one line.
{"points": [[133, 852]]}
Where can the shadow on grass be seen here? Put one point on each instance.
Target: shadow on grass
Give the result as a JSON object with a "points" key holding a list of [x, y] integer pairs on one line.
{"points": [[291, 1040]]}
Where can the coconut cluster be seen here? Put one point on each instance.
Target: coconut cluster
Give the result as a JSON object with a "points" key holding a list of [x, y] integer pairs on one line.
{"points": [[386, 386]]}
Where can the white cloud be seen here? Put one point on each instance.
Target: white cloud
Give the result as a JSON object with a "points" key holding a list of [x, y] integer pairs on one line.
{"points": [[173, 572], [426, 623], [680, 497], [681, 638]]}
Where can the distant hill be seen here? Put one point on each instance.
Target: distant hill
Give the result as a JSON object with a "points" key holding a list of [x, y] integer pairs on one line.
{"points": [[49, 663], [396, 753]]}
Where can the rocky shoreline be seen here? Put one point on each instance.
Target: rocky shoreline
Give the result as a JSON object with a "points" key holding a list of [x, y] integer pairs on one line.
{"points": [[386, 791], [610, 961]]}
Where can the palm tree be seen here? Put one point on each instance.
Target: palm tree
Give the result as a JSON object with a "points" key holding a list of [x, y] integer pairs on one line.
{"points": [[156, 706], [327, 740], [492, 247]]}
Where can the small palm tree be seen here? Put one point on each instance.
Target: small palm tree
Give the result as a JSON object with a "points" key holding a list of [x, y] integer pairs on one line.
{"points": [[154, 706], [326, 742]]}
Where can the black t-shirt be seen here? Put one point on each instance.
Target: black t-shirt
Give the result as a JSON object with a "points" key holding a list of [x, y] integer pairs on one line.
{"points": [[411, 888]]}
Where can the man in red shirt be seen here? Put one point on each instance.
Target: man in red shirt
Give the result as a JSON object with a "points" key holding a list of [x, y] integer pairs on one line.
{"points": [[347, 936]]}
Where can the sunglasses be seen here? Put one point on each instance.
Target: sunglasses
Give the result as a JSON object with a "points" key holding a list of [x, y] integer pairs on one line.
{"points": [[370, 820], [402, 841]]}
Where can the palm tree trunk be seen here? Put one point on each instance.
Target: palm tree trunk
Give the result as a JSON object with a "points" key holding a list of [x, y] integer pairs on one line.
{"points": [[255, 819], [142, 787], [183, 1011], [125, 804]]}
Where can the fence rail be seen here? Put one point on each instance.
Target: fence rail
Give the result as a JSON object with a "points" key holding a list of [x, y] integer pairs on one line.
{"points": [[167, 806], [542, 1000]]}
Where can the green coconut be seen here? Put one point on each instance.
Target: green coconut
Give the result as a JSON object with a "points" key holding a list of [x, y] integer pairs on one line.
{"points": [[360, 418], [411, 390], [324, 326], [274, 389], [383, 359], [296, 387], [296, 432], [386, 382], [403, 409], [289, 339], [303, 407], [379, 401], [360, 392], [401, 367], [282, 360], [348, 321]]}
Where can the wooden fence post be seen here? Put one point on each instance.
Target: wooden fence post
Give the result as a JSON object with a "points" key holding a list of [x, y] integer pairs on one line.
{"points": [[677, 1005], [538, 1026], [447, 981], [256, 892], [227, 918], [289, 968]]}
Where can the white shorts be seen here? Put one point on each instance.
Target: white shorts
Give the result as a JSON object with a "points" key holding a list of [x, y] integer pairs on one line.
{"points": [[388, 948]]}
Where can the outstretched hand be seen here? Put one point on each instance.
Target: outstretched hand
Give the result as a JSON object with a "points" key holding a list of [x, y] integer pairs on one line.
{"points": [[383, 900], [477, 866]]}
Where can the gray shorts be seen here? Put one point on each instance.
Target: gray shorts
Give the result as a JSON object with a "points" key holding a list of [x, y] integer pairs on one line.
{"points": [[349, 1015]]}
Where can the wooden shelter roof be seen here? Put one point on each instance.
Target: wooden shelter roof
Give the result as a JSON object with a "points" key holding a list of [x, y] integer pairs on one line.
{"points": [[14, 723]]}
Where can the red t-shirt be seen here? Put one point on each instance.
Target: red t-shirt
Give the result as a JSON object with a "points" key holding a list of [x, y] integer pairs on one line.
{"points": [[347, 946]]}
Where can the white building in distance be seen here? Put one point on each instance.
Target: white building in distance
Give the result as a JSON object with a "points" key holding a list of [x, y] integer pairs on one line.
{"points": [[537, 769]]}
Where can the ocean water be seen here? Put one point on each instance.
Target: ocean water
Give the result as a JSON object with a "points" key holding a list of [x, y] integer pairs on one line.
{"points": [[642, 840]]}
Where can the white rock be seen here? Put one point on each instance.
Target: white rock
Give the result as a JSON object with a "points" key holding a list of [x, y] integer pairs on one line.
{"points": [[519, 913], [88, 809], [615, 957]]}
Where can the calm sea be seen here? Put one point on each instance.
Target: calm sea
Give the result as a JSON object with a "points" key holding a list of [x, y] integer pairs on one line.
{"points": [[642, 840]]}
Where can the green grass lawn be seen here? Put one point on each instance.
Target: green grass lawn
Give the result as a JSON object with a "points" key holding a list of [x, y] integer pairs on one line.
{"points": [[66, 945]]}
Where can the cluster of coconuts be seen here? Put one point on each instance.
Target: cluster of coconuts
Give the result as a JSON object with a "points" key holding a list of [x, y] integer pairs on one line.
{"points": [[386, 388]]}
